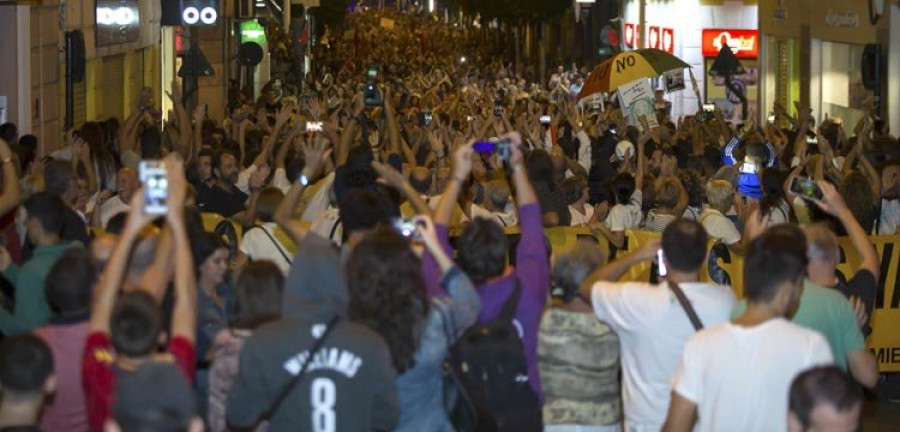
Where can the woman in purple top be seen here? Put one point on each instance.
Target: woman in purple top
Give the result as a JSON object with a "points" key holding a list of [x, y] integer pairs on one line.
{"points": [[482, 253]]}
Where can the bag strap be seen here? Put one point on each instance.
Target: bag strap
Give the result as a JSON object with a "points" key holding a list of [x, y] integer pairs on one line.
{"points": [[512, 303], [289, 387], [686, 305], [334, 228], [275, 242]]}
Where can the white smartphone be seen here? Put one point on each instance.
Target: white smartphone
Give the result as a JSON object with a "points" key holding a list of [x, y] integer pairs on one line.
{"points": [[661, 264], [156, 186]]}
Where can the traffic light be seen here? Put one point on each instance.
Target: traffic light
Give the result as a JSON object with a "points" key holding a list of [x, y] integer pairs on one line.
{"points": [[610, 40]]}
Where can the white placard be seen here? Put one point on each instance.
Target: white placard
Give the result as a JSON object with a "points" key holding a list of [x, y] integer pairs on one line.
{"points": [[636, 99]]}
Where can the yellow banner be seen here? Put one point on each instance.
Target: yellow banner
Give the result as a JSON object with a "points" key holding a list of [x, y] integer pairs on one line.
{"points": [[885, 338]]}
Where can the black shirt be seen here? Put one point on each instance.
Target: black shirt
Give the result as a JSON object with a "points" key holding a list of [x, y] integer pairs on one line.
{"points": [[217, 200], [862, 285]]}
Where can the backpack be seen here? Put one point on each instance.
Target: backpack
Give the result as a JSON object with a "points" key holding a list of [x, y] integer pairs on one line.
{"points": [[489, 360]]}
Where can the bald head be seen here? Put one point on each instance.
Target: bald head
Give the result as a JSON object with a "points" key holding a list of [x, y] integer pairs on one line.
{"points": [[126, 183]]}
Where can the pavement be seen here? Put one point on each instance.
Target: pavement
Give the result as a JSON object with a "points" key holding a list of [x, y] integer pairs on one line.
{"points": [[881, 411]]}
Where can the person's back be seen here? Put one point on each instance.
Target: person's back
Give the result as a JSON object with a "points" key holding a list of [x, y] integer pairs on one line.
{"points": [[349, 382], [27, 378], [742, 386], [258, 296], [45, 224], [68, 287], [653, 329], [652, 326], [736, 376], [828, 312], [579, 363]]}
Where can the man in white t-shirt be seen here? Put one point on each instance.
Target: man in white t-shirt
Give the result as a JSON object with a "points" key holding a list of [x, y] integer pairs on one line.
{"points": [[126, 185], [736, 376], [651, 324]]}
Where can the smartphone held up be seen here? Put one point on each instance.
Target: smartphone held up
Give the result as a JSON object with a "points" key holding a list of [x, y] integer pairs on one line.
{"points": [[154, 177], [806, 188]]}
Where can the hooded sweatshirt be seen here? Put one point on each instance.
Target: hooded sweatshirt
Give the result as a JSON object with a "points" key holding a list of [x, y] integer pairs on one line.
{"points": [[348, 386]]}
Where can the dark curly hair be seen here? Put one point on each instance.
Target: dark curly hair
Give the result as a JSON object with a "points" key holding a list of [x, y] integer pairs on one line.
{"points": [[857, 194], [387, 292]]}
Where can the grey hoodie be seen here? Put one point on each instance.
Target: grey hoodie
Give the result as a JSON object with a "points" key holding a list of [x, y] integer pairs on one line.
{"points": [[349, 386]]}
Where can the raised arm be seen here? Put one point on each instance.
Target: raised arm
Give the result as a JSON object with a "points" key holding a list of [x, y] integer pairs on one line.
{"points": [[395, 180], [12, 194], [107, 290], [126, 136], [462, 167], [184, 314], [316, 153], [833, 204], [525, 194], [613, 271]]}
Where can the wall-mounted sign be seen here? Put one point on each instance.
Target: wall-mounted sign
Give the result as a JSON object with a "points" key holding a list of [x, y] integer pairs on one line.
{"points": [[743, 43], [252, 31], [654, 37], [632, 35], [117, 21], [190, 13], [846, 19], [668, 41]]}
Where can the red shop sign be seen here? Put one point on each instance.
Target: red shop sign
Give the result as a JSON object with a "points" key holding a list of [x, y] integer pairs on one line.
{"points": [[632, 35], [654, 37], [668, 41], [744, 43]]}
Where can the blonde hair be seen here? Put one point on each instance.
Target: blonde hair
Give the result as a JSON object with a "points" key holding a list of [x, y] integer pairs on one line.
{"points": [[719, 193]]}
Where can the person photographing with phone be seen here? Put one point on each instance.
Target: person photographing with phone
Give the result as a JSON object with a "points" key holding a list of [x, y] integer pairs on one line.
{"points": [[652, 324]]}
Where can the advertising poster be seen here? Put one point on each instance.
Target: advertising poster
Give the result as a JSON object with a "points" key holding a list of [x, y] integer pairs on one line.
{"points": [[728, 102]]}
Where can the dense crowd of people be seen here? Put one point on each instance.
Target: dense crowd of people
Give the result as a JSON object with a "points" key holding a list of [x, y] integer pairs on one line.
{"points": [[337, 260]]}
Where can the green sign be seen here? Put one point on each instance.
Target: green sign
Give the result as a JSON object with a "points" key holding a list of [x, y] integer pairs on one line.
{"points": [[251, 31]]}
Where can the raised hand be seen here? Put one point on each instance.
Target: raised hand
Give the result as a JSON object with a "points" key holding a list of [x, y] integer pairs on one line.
{"points": [[315, 153]]}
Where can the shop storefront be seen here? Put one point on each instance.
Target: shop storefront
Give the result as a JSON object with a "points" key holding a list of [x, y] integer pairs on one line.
{"points": [[744, 44], [677, 27], [839, 31], [812, 53], [121, 40]]}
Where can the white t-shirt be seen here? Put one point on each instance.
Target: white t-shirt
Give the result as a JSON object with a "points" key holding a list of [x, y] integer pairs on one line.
{"points": [[328, 225], [579, 219], [739, 377], [110, 208], [890, 217], [259, 246], [719, 227], [653, 329], [504, 219], [626, 216], [779, 214]]}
